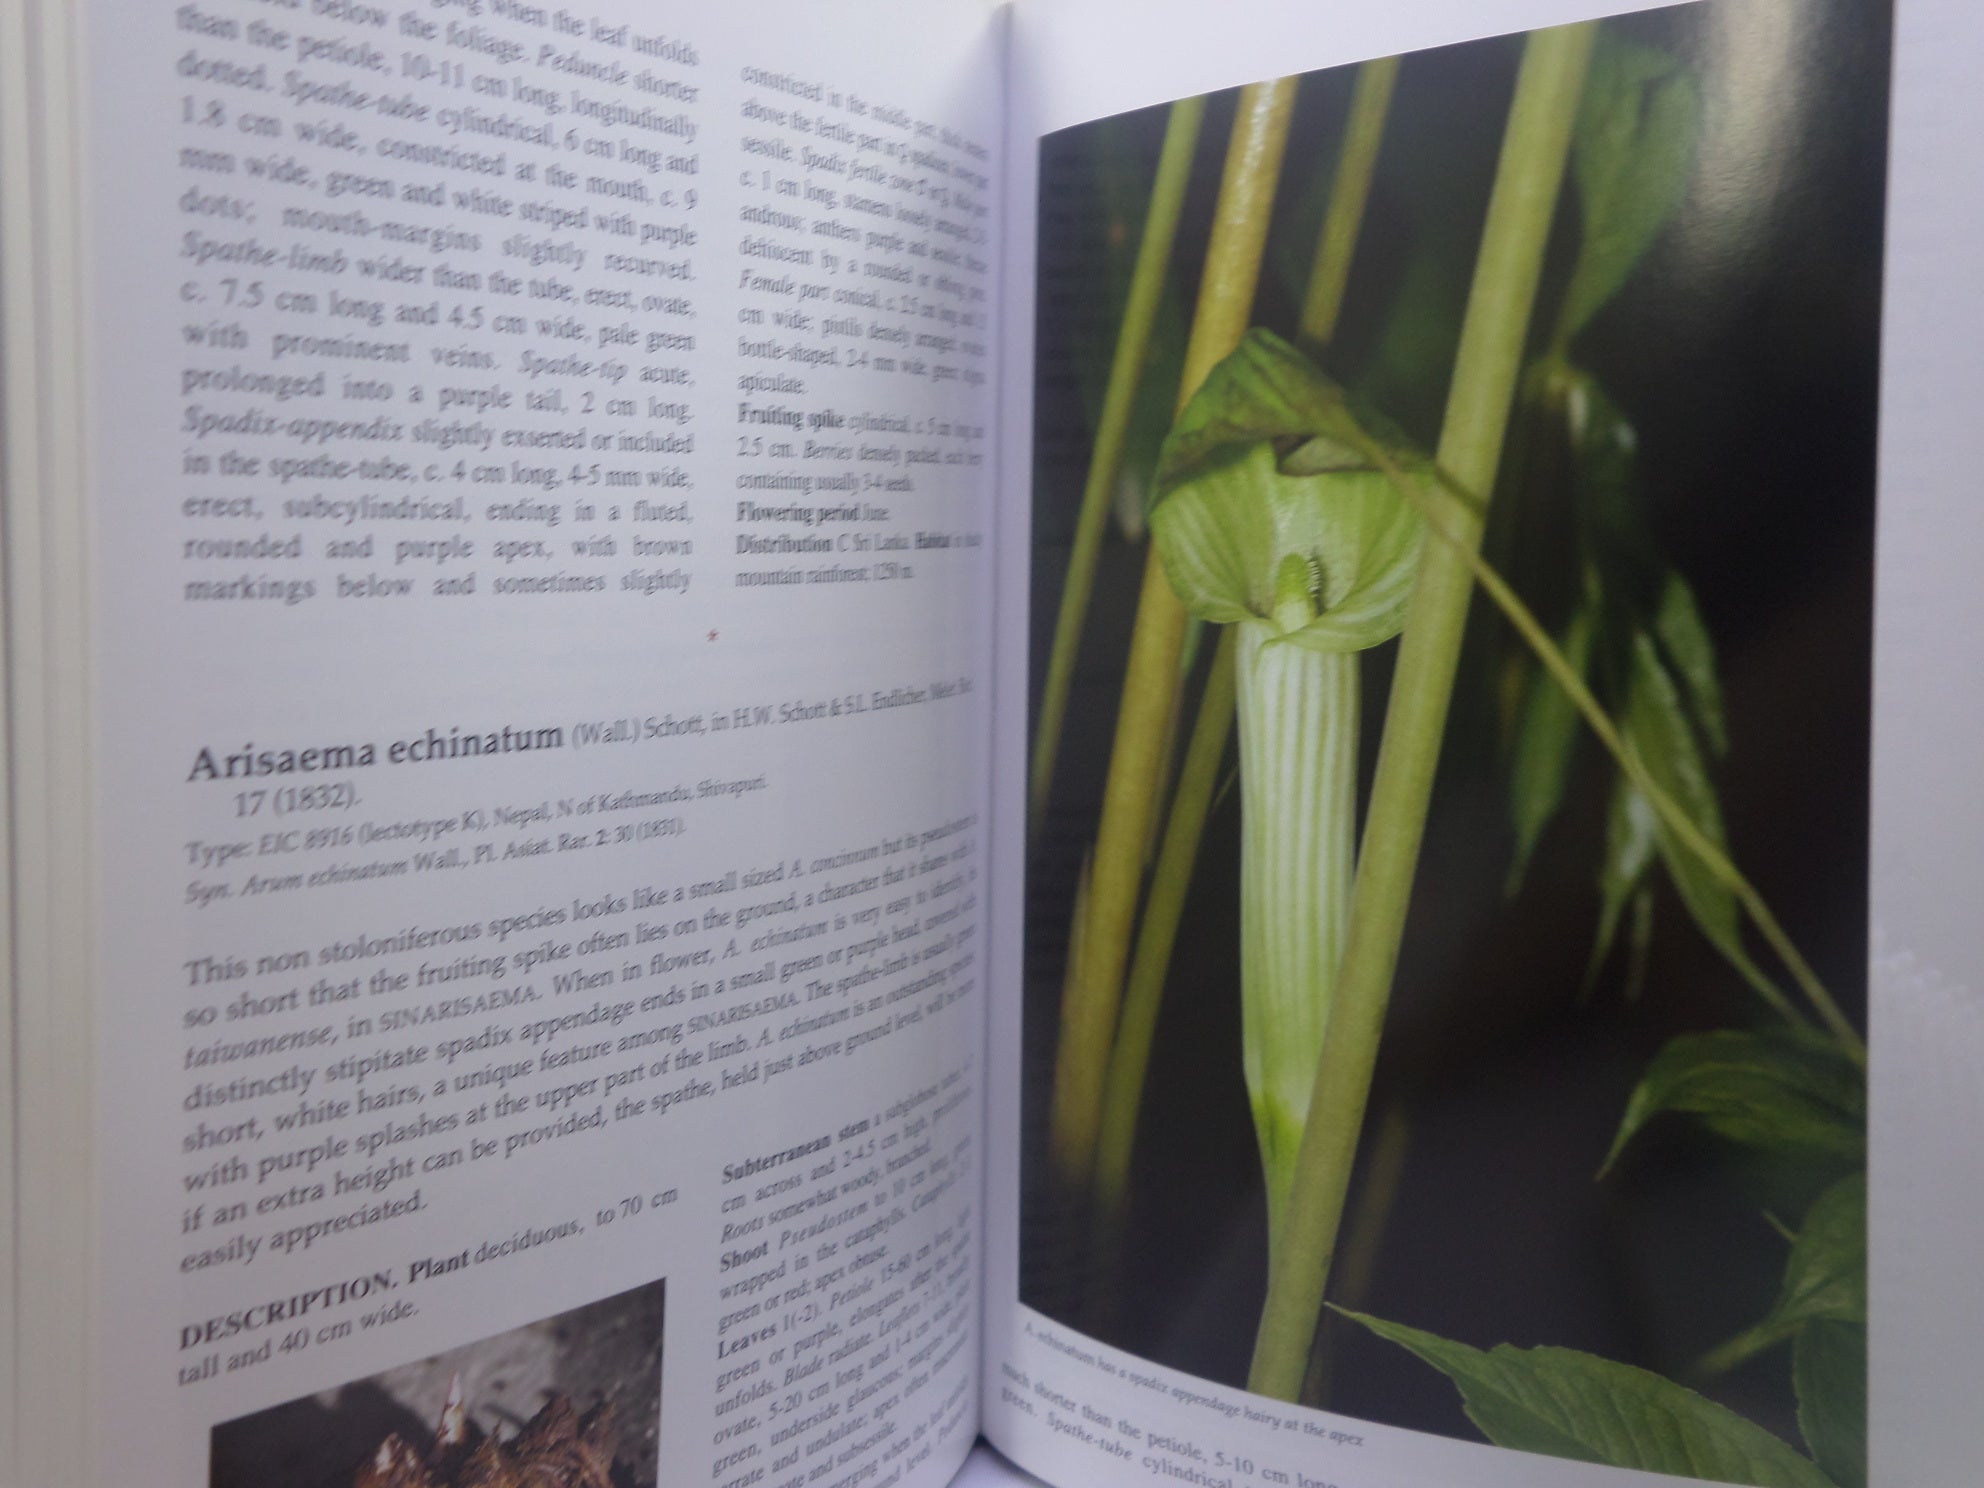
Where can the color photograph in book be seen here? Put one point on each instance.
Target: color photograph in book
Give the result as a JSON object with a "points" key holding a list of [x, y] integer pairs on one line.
{"points": [[572, 1400], [1447, 823]]}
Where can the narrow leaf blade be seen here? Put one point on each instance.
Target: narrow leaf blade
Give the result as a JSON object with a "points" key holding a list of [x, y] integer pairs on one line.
{"points": [[1631, 841], [1657, 729], [1544, 742], [1684, 642]]}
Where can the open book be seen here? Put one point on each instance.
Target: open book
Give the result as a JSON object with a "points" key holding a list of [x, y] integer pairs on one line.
{"points": [[744, 739]]}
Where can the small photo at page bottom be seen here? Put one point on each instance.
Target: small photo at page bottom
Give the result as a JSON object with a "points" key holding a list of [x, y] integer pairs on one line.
{"points": [[1447, 861], [573, 1399]]}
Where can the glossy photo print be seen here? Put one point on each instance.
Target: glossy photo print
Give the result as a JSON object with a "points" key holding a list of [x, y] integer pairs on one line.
{"points": [[1446, 928]]}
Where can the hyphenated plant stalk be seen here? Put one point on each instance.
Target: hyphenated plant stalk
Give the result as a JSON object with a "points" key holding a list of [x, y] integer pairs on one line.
{"points": [[1350, 189], [1167, 198], [1226, 299], [1487, 364]]}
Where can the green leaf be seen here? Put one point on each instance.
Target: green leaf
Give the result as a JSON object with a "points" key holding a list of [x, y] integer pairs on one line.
{"points": [[1631, 157], [1825, 1277], [1829, 1371], [1544, 740], [1631, 840], [1232, 517], [1781, 1091], [1656, 728], [1604, 451], [1684, 641], [1577, 1405]]}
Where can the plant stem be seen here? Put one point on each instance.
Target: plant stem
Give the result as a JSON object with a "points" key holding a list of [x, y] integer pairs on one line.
{"points": [[1370, 102], [1370, 1215], [1350, 189], [1167, 199], [1156, 934], [1226, 301], [1487, 364], [1174, 725]]}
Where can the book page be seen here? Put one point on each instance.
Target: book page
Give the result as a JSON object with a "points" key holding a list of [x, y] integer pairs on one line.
{"points": [[542, 464], [1406, 1055]]}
